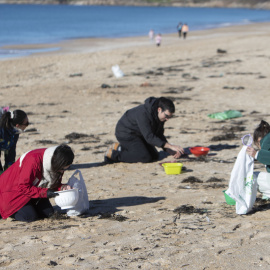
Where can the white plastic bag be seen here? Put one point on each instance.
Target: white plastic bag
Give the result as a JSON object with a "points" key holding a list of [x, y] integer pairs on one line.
{"points": [[83, 204], [118, 73], [243, 184]]}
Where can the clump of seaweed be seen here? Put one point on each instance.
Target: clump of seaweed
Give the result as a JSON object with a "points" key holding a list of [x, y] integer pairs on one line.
{"points": [[110, 216], [189, 209], [192, 179]]}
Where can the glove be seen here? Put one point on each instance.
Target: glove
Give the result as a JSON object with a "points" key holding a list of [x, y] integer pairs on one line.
{"points": [[51, 194]]}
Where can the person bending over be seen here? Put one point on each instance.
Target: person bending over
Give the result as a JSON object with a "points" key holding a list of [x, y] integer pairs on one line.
{"points": [[11, 125], [140, 130], [26, 186]]}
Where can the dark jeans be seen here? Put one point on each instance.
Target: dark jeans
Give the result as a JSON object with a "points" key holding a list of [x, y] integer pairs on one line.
{"points": [[35, 209], [135, 150]]}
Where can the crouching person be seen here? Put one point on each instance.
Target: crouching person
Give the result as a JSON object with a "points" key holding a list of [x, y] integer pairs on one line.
{"points": [[27, 186]]}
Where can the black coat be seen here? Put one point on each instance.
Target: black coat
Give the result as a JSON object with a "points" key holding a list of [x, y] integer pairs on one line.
{"points": [[142, 121]]}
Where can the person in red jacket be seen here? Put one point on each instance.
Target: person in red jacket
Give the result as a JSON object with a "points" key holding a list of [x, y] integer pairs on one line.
{"points": [[27, 186]]}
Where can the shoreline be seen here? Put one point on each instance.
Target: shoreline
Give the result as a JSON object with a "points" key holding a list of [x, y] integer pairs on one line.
{"points": [[91, 45]]}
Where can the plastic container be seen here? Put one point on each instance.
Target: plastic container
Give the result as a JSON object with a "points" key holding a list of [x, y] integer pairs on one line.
{"points": [[199, 151], [225, 115], [67, 198], [118, 73], [172, 168], [228, 199]]}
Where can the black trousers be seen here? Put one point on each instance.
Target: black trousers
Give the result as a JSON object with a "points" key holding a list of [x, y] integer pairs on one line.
{"points": [[136, 149], [35, 209]]}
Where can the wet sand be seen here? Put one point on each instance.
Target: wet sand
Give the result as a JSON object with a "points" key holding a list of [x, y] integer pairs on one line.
{"points": [[139, 217]]}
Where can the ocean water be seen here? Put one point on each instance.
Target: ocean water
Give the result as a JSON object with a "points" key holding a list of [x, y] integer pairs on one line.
{"points": [[33, 24]]}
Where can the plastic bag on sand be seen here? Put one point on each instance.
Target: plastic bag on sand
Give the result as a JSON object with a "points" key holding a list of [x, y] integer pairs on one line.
{"points": [[243, 184], [225, 115], [118, 73], [83, 204]]}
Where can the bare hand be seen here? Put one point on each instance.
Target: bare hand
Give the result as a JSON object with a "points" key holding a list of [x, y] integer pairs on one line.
{"points": [[66, 187], [175, 150], [251, 152]]}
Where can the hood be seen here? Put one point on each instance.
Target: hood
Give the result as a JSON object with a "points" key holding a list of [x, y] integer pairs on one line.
{"points": [[149, 104]]}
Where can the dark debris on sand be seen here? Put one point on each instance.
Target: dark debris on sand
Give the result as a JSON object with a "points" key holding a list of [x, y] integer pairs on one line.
{"points": [[31, 130], [44, 142], [116, 217], [189, 209], [85, 148], [177, 90], [47, 104], [215, 186], [225, 137], [212, 63], [214, 179], [76, 136], [59, 216], [192, 179]]}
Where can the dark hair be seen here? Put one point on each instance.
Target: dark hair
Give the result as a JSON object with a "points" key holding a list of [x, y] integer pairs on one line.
{"points": [[7, 122], [62, 157], [166, 104], [262, 130]]}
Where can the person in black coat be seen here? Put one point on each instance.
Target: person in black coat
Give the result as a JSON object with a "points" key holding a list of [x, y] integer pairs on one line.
{"points": [[140, 130]]}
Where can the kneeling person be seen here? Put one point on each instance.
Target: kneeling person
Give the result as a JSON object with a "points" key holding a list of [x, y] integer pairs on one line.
{"points": [[140, 130]]}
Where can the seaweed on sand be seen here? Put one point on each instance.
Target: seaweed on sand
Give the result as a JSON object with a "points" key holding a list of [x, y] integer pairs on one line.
{"points": [[189, 209], [76, 136], [225, 137], [214, 179], [46, 142], [215, 186], [116, 217], [192, 179]]}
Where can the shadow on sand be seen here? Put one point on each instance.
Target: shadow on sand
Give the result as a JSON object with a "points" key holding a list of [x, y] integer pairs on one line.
{"points": [[112, 205], [86, 165]]}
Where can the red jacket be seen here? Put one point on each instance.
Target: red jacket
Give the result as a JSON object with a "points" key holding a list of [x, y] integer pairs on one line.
{"points": [[19, 183]]}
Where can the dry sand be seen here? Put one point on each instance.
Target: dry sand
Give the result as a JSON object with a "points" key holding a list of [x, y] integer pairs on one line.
{"points": [[141, 218]]}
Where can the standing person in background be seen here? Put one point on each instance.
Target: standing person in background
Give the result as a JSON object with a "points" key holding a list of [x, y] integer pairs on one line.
{"points": [[179, 28], [185, 30], [11, 125], [151, 34], [158, 39]]}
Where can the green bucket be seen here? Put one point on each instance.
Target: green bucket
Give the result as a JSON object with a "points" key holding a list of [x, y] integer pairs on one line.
{"points": [[228, 199]]}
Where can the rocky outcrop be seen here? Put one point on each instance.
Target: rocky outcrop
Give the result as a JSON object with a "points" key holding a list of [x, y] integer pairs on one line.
{"points": [[256, 4]]}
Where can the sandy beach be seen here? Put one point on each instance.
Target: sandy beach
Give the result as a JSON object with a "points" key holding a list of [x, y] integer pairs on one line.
{"points": [[139, 217]]}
